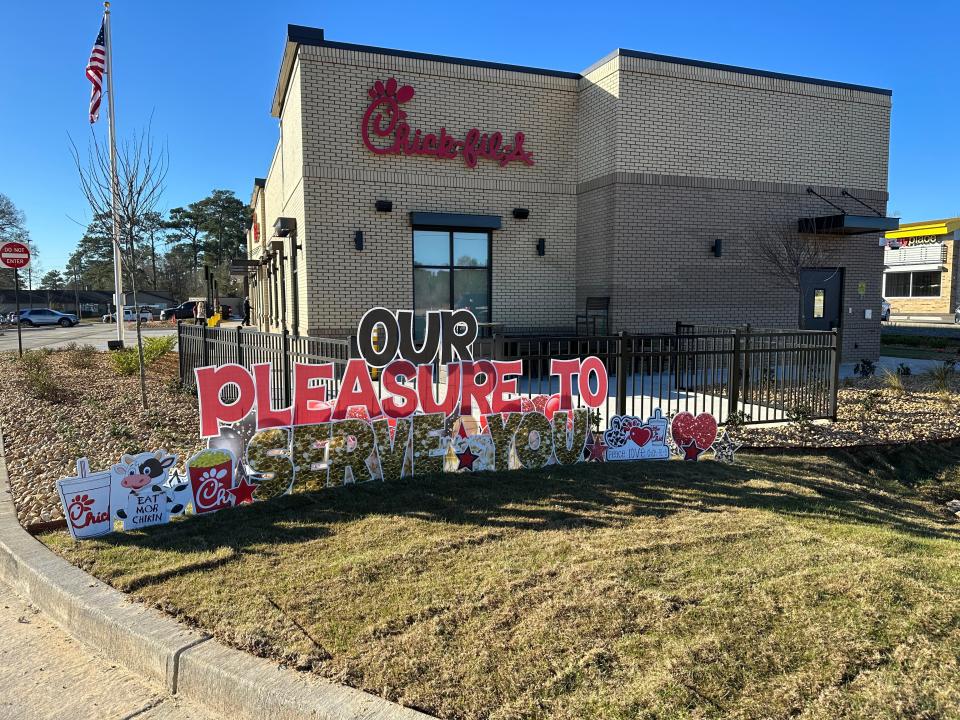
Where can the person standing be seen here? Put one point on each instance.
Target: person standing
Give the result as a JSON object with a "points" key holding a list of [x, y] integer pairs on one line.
{"points": [[246, 311], [200, 313]]}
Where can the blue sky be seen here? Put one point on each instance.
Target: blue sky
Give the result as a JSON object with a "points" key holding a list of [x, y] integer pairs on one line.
{"points": [[207, 71]]}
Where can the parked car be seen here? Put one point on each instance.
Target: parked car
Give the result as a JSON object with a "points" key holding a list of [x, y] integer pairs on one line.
{"points": [[885, 310], [45, 316], [129, 315], [184, 311]]}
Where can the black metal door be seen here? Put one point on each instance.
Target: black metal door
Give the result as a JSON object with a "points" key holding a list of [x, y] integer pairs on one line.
{"points": [[822, 298]]}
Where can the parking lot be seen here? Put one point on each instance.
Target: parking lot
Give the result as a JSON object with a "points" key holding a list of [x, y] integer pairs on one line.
{"points": [[87, 332]]}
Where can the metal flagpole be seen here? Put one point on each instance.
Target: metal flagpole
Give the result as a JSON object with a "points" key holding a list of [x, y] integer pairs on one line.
{"points": [[117, 257]]}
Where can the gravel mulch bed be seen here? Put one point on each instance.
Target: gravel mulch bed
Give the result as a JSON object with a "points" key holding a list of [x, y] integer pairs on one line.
{"points": [[873, 412], [98, 416]]}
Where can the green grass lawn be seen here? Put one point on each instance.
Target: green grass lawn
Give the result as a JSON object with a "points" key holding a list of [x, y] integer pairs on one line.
{"points": [[811, 586]]}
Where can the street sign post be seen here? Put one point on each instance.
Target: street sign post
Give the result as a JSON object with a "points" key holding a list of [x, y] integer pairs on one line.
{"points": [[14, 255]]}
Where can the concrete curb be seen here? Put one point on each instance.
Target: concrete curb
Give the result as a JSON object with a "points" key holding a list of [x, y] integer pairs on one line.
{"points": [[187, 663]]}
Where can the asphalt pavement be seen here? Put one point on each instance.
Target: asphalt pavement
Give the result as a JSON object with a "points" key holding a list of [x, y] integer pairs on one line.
{"points": [[87, 332]]}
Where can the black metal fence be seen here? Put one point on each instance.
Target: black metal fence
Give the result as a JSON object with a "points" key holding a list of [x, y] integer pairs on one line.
{"points": [[748, 374]]}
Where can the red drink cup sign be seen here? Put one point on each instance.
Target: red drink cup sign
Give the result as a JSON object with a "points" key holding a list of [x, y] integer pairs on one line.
{"points": [[211, 476], [86, 504]]}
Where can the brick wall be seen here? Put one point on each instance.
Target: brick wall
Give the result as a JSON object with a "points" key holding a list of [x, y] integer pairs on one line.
{"points": [[640, 165]]}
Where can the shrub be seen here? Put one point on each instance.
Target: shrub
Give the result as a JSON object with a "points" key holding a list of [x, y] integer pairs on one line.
{"points": [[865, 368], [156, 347], [893, 382], [127, 361], [871, 401], [39, 380], [800, 415], [941, 377], [81, 357], [737, 420]]}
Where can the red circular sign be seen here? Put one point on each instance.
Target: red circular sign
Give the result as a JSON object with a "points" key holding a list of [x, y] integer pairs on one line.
{"points": [[14, 255]]}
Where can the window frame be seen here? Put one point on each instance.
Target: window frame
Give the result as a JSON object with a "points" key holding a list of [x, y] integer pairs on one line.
{"points": [[452, 267], [910, 294]]}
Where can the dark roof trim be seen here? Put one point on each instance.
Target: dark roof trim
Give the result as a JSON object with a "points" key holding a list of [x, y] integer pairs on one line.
{"points": [[448, 59], [735, 69], [260, 182], [301, 35], [455, 220]]}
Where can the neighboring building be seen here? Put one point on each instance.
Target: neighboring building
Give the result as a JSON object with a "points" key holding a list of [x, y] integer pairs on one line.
{"points": [[84, 303], [639, 187], [920, 275]]}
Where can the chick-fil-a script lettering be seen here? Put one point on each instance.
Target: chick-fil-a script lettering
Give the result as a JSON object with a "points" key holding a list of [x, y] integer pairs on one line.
{"points": [[386, 132]]}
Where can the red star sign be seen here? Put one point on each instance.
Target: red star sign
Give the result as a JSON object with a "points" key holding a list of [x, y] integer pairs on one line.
{"points": [[691, 451], [242, 493], [597, 450], [466, 458]]}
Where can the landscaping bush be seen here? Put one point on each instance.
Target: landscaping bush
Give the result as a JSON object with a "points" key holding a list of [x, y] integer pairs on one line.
{"points": [[941, 376], [127, 361], [81, 357], [865, 368], [155, 348], [893, 382], [39, 380]]}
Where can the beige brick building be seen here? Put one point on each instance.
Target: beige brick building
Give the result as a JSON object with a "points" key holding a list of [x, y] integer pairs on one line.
{"points": [[622, 183], [920, 276]]}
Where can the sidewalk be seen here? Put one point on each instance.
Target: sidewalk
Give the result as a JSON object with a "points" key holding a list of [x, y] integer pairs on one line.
{"points": [[44, 673]]}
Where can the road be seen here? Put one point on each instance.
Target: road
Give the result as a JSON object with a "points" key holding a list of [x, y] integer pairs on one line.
{"points": [[46, 674], [87, 332]]}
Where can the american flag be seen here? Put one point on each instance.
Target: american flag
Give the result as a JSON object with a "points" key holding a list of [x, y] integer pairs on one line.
{"points": [[96, 67]]}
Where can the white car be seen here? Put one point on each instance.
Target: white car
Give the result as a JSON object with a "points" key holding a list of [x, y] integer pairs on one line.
{"points": [[129, 316]]}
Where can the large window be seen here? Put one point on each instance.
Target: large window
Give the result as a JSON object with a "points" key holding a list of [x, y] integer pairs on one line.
{"points": [[912, 284], [451, 270]]}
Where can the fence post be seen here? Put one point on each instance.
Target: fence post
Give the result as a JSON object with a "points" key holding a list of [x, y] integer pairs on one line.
{"points": [[496, 347], [834, 373], [679, 327], [285, 357], [239, 345], [746, 370], [180, 353], [733, 400], [206, 349], [623, 359]]}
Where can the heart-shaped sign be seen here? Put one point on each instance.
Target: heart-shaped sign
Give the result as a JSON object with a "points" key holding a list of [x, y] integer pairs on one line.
{"points": [[702, 429], [641, 435]]}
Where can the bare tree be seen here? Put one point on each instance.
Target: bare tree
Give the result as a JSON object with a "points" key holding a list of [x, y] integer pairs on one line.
{"points": [[783, 253], [141, 177]]}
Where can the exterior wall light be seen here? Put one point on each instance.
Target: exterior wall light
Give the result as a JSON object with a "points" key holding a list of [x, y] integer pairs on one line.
{"points": [[358, 240], [521, 213], [384, 206], [717, 247], [541, 247], [284, 226]]}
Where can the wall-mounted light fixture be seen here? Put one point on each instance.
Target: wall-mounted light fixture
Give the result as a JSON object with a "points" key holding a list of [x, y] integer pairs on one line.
{"points": [[284, 226], [384, 206], [717, 247], [541, 247], [521, 213], [358, 240]]}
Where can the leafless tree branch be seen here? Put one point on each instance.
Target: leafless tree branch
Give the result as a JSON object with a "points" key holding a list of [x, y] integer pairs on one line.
{"points": [[140, 183]]}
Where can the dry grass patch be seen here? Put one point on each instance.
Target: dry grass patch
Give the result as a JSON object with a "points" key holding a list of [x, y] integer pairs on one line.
{"points": [[792, 586]]}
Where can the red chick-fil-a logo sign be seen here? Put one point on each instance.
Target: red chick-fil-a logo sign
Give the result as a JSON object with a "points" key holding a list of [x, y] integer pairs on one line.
{"points": [[386, 132]]}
